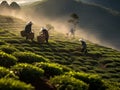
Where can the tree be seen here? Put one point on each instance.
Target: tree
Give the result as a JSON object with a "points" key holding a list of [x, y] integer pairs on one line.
{"points": [[49, 27], [74, 20], [4, 4], [14, 6]]}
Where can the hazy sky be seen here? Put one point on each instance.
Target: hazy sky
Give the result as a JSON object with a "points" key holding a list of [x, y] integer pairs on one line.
{"points": [[21, 1]]}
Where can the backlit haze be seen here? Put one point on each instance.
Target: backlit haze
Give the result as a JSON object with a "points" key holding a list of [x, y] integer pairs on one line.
{"points": [[61, 24]]}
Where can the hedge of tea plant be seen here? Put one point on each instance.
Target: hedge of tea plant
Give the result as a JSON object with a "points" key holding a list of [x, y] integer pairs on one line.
{"points": [[3, 72], [2, 42], [51, 69], [8, 49], [27, 73], [29, 57], [95, 81], [12, 84], [7, 60], [65, 82]]}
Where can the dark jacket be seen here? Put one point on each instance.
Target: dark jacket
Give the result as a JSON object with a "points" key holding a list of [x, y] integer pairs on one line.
{"points": [[84, 45], [28, 28], [45, 32]]}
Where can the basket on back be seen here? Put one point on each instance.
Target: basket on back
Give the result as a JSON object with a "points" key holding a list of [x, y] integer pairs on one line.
{"points": [[23, 33], [29, 35], [41, 38]]}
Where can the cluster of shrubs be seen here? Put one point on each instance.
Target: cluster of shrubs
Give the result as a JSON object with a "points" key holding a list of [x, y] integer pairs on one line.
{"points": [[95, 81], [27, 67], [28, 57], [52, 69], [2, 42], [8, 49], [27, 73], [7, 60], [8, 83], [3, 72], [12, 84], [65, 82]]}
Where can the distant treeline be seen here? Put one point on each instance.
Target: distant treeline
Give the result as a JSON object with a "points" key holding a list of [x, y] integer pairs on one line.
{"points": [[12, 6]]}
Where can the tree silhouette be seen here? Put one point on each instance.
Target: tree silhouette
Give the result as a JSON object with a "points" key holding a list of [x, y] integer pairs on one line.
{"points": [[14, 6], [49, 27], [4, 4], [74, 20]]}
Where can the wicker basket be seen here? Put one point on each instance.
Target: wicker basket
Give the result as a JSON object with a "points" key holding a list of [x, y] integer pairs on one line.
{"points": [[23, 34], [41, 38]]}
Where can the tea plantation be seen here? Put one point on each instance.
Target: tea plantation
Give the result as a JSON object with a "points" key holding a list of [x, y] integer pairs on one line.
{"points": [[59, 65]]}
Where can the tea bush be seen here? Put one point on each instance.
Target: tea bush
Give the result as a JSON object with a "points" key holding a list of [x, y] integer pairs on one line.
{"points": [[20, 48], [106, 61], [27, 72], [2, 42], [110, 65], [11, 75], [95, 81], [7, 60], [65, 68], [12, 41], [65, 82], [29, 57], [95, 54], [112, 85], [11, 84], [51, 69], [29, 49], [3, 72], [8, 49]]}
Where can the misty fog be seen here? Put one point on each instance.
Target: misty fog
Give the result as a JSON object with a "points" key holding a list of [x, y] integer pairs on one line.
{"points": [[61, 25]]}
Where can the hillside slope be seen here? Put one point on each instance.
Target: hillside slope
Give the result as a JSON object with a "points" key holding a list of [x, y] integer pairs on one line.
{"points": [[50, 57], [94, 19], [12, 24]]}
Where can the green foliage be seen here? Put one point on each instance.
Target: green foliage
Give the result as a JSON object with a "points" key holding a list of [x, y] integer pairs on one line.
{"points": [[11, 84], [7, 60], [106, 60], [51, 69], [12, 41], [8, 49], [3, 72], [62, 50], [99, 70], [11, 75], [65, 82], [27, 72], [6, 73], [65, 68], [29, 57], [110, 65], [95, 54], [77, 53], [2, 42], [112, 85], [95, 81], [28, 49], [20, 48]]}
